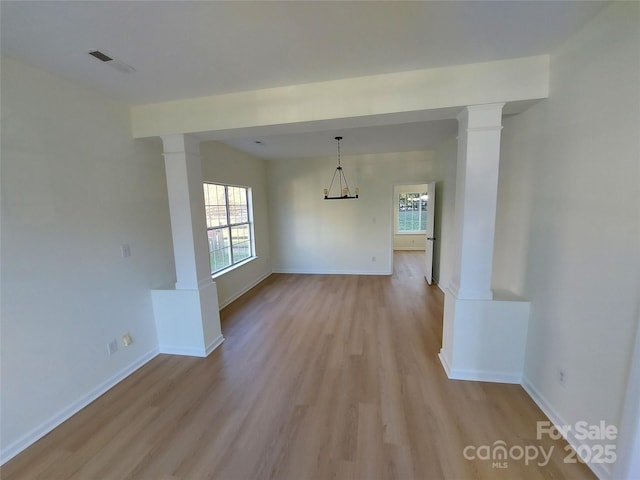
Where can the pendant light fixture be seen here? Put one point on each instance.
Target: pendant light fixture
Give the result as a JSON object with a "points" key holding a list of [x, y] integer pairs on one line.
{"points": [[343, 193]]}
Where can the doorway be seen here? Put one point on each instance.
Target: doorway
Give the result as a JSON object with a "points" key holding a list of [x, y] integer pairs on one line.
{"points": [[413, 222]]}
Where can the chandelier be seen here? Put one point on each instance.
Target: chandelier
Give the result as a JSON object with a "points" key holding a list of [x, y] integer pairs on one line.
{"points": [[342, 186]]}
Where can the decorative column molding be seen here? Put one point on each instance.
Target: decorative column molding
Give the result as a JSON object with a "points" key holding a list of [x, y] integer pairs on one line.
{"points": [[476, 196], [483, 334], [187, 314], [186, 206]]}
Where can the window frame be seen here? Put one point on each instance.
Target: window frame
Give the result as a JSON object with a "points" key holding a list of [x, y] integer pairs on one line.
{"points": [[421, 210], [228, 227]]}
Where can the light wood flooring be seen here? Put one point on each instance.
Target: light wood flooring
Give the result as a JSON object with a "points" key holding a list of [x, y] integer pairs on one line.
{"points": [[320, 377]]}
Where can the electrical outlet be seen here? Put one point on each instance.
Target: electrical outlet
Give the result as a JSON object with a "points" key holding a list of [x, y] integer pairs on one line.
{"points": [[126, 250], [112, 347], [373, 259]]}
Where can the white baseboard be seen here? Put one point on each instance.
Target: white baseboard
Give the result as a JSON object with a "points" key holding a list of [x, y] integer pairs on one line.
{"points": [[296, 271], [602, 470], [213, 345], [192, 351], [484, 376], [477, 375], [237, 295], [184, 351], [41, 430], [445, 364]]}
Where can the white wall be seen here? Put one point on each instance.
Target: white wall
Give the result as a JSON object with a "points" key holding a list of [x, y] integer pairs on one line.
{"points": [[313, 235], [628, 464], [223, 164], [409, 241], [75, 186], [568, 224], [446, 156]]}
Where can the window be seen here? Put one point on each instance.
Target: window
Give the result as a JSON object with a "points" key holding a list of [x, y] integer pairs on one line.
{"points": [[412, 212], [229, 229]]}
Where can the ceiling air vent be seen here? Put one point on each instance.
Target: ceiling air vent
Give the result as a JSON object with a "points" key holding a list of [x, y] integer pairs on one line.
{"points": [[117, 64], [100, 56]]}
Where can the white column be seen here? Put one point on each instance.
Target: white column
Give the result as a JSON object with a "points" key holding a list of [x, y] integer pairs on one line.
{"points": [[476, 196], [484, 335], [186, 206], [186, 314]]}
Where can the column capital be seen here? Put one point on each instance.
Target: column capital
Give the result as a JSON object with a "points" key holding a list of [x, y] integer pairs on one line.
{"points": [[180, 143], [481, 117]]}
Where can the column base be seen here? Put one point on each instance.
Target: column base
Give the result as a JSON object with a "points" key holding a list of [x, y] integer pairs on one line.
{"points": [[187, 321], [485, 340]]}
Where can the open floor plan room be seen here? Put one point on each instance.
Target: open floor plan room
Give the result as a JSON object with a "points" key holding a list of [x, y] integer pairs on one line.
{"points": [[320, 376], [319, 239]]}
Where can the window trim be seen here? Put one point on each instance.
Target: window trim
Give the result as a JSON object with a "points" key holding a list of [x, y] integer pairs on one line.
{"points": [[397, 226], [229, 226], [229, 268]]}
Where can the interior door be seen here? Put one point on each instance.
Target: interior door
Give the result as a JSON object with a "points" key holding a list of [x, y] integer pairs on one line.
{"points": [[428, 250]]}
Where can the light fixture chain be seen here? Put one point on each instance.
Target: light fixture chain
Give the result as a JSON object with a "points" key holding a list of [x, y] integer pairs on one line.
{"points": [[332, 179], [345, 192], [341, 192]]}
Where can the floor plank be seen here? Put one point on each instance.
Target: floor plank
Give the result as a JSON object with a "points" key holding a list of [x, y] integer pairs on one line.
{"points": [[320, 376]]}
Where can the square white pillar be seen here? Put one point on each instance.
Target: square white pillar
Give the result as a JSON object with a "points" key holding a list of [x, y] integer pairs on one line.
{"points": [[186, 206], [187, 314], [483, 337], [187, 321], [479, 129]]}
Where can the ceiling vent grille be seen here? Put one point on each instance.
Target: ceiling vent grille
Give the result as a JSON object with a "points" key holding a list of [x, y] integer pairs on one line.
{"points": [[100, 56], [116, 64]]}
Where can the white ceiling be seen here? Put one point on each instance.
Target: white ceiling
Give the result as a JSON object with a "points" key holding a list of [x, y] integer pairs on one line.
{"points": [[185, 49], [405, 137]]}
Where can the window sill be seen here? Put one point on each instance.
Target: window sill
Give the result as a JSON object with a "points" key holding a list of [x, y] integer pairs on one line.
{"points": [[230, 268]]}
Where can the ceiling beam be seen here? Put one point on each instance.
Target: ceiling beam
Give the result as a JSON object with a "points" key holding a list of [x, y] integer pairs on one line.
{"points": [[413, 93]]}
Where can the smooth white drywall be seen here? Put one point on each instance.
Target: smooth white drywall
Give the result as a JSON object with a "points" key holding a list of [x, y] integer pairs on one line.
{"points": [[313, 235], [75, 187], [446, 156], [406, 241], [224, 164], [628, 463], [568, 222]]}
